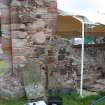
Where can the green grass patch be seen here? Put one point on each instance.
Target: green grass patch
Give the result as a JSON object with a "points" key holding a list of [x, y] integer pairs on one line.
{"points": [[2, 66], [75, 99], [68, 99], [21, 101]]}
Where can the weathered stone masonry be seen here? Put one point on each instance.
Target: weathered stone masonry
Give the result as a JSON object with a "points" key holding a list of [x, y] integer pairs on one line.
{"points": [[37, 57], [25, 24]]}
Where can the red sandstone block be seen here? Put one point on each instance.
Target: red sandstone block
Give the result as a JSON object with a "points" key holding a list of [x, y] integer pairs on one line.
{"points": [[6, 42], [18, 43], [5, 20], [5, 15], [18, 51], [9, 20], [7, 50], [19, 34], [19, 59], [14, 15], [26, 51], [15, 19], [15, 27], [52, 8], [6, 46], [5, 2]]}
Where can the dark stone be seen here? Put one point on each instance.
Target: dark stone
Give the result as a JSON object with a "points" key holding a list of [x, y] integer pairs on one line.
{"points": [[62, 71], [62, 90], [48, 38], [62, 51], [38, 16], [51, 59], [55, 100], [67, 53], [51, 91], [104, 39], [50, 52], [102, 74], [67, 90], [61, 57], [39, 51]]}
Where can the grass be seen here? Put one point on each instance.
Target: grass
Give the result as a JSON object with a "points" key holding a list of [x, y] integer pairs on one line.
{"points": [[1, 67], [75, 99], [68, 99], [21, 101]]}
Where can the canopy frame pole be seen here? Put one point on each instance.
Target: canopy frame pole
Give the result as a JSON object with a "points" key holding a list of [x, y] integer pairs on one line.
{"points": [[82, 60]]}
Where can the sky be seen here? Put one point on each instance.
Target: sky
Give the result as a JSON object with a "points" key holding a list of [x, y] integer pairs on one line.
{"points": [[93, 9], [94, 5]]}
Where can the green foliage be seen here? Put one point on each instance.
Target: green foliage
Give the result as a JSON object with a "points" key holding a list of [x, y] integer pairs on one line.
{"points": [[1, 67], [75, 99], [21, 101], [68, 99], [101, 93]]}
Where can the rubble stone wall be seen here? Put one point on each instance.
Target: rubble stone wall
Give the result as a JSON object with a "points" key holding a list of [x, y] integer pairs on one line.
{"points": [[32, 22], [40, 58], [64, 61], [30, 26], [10, 86]]}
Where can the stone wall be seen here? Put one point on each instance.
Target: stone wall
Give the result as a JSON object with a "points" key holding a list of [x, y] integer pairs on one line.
{"points": [[30, 27], [10, 86], [40, 58], [25, 25], [64, 62]]}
